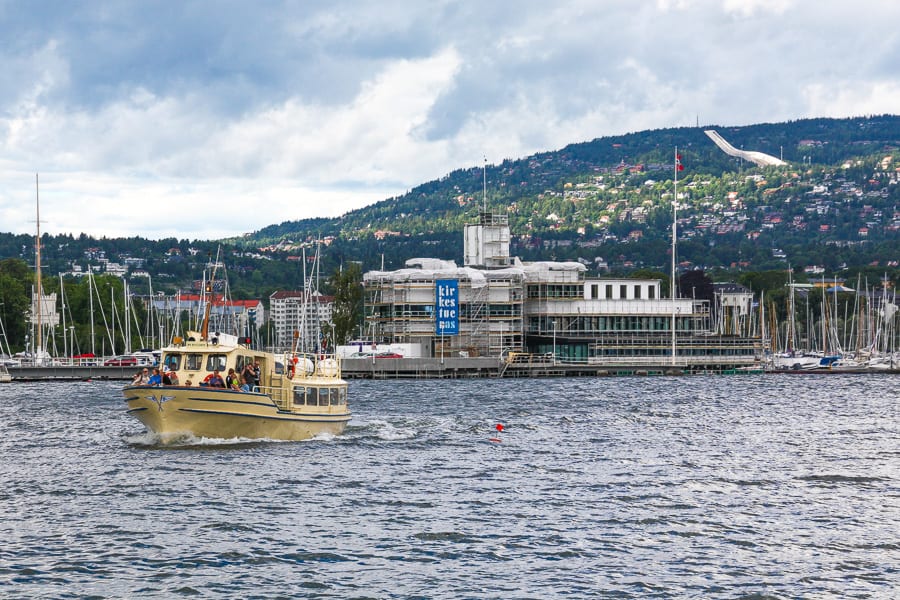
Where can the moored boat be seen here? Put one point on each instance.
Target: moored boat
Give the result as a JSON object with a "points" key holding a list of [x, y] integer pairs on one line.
{"points": [[296, 397]]}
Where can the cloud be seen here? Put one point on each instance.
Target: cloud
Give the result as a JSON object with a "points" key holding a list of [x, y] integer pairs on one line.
{"points": [[311, 109]]}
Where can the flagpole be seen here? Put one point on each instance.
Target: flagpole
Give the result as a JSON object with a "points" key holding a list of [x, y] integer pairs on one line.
{"points": [[674, 238]]}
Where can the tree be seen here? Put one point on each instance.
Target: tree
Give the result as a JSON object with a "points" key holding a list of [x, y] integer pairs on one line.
{"points": [[15, 303], [696, 284], [348, 296]]}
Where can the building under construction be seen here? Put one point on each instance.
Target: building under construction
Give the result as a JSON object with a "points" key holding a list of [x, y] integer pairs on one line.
{"points": [[501, 307]]}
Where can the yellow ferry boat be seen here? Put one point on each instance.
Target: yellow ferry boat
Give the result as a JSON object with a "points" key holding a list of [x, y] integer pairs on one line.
{"points": [[296, 396]]}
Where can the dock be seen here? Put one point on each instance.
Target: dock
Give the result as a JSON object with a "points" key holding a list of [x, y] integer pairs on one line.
{"points": [[450, 368]]}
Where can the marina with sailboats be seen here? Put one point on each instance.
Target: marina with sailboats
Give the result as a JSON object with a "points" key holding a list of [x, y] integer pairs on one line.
{"points": [[510, 319]]}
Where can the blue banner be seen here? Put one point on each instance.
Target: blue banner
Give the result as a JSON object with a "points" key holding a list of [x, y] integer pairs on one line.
{"points": [[446, 307]]}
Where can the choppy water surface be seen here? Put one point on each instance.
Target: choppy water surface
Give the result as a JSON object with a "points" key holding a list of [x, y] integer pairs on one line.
{"points": [[704, 487]]}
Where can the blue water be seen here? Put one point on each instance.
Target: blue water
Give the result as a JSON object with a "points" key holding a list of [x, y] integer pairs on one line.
{"points": [[779, 486]]}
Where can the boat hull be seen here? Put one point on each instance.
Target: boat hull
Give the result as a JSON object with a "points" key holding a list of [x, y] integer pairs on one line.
{"points": [[175, 412]]}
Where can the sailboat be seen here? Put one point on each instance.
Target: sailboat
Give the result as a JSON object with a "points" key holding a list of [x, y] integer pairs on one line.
{"points": [[43, 308], [791, 357]]}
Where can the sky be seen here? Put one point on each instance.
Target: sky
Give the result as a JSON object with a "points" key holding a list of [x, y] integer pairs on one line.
{"points": [[210, 119]]}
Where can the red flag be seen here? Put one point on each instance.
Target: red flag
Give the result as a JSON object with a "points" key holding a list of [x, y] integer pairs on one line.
{"points": [[678, 165]]}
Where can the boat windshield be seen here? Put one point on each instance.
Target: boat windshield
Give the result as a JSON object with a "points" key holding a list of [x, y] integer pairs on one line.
{"points": [[193, 362], [216, 362], [172, 361]]}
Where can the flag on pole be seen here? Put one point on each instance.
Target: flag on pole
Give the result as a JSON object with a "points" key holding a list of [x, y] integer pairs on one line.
{"points": [[678, 165]]}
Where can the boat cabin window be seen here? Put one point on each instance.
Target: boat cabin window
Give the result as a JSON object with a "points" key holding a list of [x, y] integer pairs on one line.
{"points": [[312, 397], [215, 361], [193, 362], [172, 362], [299, 395], [342, 396], [323, 396], [336, 396]]}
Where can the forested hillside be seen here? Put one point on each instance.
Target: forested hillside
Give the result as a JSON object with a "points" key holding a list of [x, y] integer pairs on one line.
{"points": [[611, 198], [607, 203]]}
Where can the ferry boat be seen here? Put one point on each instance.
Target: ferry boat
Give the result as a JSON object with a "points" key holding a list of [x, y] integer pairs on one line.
{"points": [[296, 396]]}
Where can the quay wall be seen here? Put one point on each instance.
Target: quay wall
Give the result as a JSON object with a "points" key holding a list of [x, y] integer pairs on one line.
{"points": [[435, 368]]}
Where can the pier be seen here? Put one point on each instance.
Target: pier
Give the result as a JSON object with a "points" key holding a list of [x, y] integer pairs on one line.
{"points": [[533, 366]]}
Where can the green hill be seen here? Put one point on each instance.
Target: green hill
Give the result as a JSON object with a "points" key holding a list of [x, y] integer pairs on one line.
{"points": [[604, 202], [611, 198]]}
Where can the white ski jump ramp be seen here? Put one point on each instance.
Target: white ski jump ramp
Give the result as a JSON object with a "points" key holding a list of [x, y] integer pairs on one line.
{"points": [[760, 158]]}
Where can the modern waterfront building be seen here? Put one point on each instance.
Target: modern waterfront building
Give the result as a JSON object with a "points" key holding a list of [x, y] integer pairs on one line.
{"points": [[497, 305]]}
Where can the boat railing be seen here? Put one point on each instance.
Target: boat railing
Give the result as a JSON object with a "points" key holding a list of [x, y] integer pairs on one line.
{"points": [[302, 365]]}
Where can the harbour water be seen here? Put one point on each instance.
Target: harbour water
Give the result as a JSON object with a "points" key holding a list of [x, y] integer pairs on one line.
{"points": [[704, 487]]}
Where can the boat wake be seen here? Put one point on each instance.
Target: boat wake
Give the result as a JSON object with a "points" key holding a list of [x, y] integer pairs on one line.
{"points": [[187, 441], [382, 430]]}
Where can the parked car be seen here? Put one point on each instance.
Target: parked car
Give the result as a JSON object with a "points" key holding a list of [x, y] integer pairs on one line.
{"points": [[145, 358], [121, 361], [388, 355]]}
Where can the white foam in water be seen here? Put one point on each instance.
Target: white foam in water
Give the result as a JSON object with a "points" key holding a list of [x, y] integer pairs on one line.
{"points": [[151, 439], [384, 430], [390, 433], [142, 439]]}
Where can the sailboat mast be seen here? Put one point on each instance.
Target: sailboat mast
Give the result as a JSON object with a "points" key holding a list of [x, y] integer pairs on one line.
{"points": [[91, 302], [37, 270], [789, 338]]}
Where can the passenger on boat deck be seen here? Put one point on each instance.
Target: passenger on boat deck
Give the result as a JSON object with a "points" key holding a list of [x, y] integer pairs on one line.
{"points": [[247, 374], [166, 378], [215, 380], [231, 380], [189, 383], [245, 387], [173, 379], [156, 378], [141, 377]]}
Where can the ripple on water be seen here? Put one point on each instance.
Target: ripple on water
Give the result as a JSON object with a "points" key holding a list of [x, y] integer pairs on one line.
{"points": [[757, 487]]}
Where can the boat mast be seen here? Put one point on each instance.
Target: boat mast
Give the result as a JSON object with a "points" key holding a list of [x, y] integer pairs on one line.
{"points": [[210, 289], [37, 270], [791, 334], [91, 302]]}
